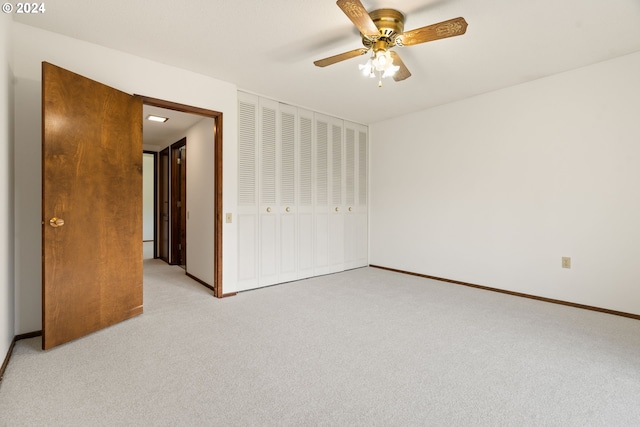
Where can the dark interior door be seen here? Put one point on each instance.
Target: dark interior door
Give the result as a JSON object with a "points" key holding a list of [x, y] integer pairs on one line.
{"points": [[91, 206], [163, 185], [178, 172]]}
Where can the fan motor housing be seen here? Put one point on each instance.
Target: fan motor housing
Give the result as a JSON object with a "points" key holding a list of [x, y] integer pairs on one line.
{"points": [[390, 23]]}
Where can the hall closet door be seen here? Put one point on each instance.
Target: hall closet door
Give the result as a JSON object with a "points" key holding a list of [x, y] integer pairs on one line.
{"points": [[247, 217], [336, 197], [356, 227], [305, 191]]}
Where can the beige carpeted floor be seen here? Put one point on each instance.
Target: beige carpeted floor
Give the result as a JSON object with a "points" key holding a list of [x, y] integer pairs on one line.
{"points": [[363, 347]]}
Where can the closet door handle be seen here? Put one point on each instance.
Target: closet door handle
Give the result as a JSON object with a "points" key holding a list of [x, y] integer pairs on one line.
{"points": [[288, 209], [337, 209], [269, 210]]}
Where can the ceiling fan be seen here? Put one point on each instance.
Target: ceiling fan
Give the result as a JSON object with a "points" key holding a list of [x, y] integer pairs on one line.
{"points": [[383, 29]]}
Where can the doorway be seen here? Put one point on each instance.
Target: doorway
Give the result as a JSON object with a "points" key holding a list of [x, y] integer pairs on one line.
{"points": [[92, 274], [175, 155]]}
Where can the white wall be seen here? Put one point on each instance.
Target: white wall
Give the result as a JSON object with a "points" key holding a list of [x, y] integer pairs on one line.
{"points": [[7, 322], [200, 201], [28, 196], [148, 199], [130, 74], [494, 190]]}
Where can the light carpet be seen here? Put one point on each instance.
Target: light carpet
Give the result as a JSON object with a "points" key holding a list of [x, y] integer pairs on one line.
{"points": [[365, 347]]}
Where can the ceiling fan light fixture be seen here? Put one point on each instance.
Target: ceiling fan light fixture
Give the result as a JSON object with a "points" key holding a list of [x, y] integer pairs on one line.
{"points": [[391, 71], [365, 68], [382, 30], [381, 62], [381, 59]]}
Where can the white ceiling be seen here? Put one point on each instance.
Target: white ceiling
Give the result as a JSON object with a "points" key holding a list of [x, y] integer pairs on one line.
{"points": [[161, 135], [268, 47]]}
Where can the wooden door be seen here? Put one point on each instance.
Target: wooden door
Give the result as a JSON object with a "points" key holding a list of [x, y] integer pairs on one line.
{"points": [[178, 202], [163, 228], [91, 205]]}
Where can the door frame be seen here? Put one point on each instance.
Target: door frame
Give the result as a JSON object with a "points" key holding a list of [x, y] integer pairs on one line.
{"points": [[217, 173]]}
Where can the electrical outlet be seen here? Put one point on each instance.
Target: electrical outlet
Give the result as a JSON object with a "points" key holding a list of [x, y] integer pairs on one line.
{"points": [[228, 217], [566, 262]]}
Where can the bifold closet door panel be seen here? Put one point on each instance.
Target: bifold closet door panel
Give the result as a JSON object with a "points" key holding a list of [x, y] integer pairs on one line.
{"points": [[350, 222], [356, 228], [362, 180], [247, 251], [336, 212], [288, 206], [321, 203], [305, 173], [247, 214], [268, 168]]}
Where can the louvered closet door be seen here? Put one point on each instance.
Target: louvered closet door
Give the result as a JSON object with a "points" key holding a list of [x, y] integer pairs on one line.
{"points": [[356, 229], [337, 193], [302, 200], [287, 206], [361, 210], [350, 221], [247, 216], [321, 193], [269, 219], [305, 193]]}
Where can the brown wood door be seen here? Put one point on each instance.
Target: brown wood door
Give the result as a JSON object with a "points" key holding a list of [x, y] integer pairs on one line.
{"points": [[179, 203], [92, 180], [163, 184]]}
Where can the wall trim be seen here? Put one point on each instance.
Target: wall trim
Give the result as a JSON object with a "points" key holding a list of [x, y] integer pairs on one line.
{"points": [[13, 343], [208, 286], [517, 294], [202, 282]]}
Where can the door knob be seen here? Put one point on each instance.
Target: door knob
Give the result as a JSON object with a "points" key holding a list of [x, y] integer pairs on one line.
{"points": [[56, 222], [268, 209], [288, 209], [337, 209]]}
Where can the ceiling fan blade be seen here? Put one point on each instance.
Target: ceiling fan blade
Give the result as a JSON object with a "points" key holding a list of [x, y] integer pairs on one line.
{"points": [[403, 72], [341, 57], [359, 16], [441, 30]]}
